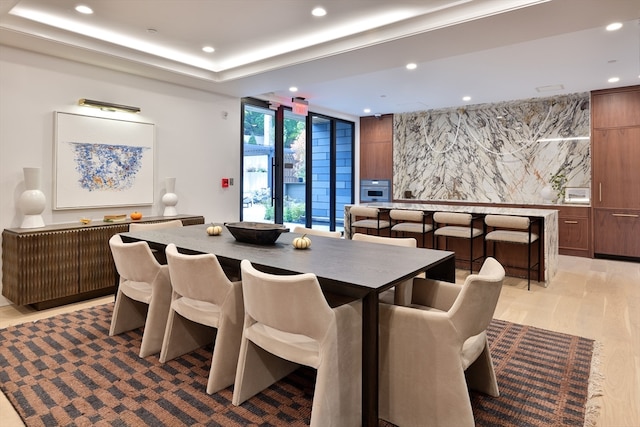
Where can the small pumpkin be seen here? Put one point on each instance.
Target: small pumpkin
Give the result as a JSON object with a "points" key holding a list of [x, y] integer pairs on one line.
{"points": [[302, 242], [136, 215], [214, 230]]}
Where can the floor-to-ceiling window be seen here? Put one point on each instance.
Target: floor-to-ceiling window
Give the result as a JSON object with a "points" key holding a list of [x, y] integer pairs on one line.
{"points": [[296, 169]]}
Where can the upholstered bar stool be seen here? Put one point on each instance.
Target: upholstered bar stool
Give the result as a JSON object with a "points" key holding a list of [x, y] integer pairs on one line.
{"points": [[369, 219], [459, 226], [513, 229], [408, 221]]}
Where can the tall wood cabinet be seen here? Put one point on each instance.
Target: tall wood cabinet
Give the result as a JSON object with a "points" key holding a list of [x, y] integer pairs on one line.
{"points": [[376, 147], [615, 164]]}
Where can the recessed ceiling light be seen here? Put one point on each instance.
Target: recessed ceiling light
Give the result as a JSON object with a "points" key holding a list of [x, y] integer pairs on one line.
{"points": [[614, 26], [466, 98], [319, 11], [614, 80], [84, 9], [412, 66], [367, 110], [293, 89], [208, 49]]}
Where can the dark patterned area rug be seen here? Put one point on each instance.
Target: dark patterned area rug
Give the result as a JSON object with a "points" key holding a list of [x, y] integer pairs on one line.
{"points": [[66, 370]]}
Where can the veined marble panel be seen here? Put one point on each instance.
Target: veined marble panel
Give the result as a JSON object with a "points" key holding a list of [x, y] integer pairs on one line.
{"points": [[499, 153]]}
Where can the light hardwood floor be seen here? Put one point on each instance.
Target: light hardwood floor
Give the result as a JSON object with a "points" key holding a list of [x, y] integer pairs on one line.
{"points": [[592, 298]]}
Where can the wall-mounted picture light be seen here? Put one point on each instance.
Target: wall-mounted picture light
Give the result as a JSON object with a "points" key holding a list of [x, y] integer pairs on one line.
{"points": [[107, 106]]}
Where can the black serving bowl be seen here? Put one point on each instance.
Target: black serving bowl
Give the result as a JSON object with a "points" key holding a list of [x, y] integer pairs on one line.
{"points": [[258, 233]]}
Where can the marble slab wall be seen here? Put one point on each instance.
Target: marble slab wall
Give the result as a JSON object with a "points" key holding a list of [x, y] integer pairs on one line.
{"points": [[498, 153]]}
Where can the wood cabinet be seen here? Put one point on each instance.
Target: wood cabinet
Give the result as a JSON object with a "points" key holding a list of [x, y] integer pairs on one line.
{"points": [[615, 161], [617, 232], [573, 231], [63, 263], [376, 147]]}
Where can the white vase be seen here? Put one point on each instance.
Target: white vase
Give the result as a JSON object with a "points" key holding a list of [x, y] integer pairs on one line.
{"points": [[170, 198], [548, 194], [32, 201]]}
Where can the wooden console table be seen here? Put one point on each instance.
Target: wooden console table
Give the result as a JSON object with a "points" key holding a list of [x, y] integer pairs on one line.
{"points": [[62, 263]]}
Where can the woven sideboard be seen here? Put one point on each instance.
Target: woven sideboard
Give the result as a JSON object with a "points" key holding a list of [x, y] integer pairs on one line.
{"points": [[63, 263]]}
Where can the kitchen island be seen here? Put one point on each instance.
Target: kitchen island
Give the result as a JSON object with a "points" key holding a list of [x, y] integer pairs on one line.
{"points": [[548, 232]]}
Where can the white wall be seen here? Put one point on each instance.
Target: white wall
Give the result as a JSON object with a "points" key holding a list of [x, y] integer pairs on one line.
{"points": [[195, 141]]}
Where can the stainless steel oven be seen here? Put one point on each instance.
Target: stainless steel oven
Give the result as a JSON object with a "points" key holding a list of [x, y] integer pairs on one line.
{"points": [[375, 190]]}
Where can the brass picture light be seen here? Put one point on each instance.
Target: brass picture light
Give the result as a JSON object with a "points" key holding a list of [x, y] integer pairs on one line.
{"points": [[107, 106]]}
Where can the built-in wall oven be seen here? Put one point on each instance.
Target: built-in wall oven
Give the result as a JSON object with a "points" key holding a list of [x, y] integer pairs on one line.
{"points": [[375, 190]]}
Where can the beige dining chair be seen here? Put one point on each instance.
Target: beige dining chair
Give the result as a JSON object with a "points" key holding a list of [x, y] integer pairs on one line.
{"points": [[369, 219], [288, 323], [434, 350], [314, 232], [144, 293], [459, 226], [142, 226], [401, 293], [517, 230], [411, 221], [206, 307]]}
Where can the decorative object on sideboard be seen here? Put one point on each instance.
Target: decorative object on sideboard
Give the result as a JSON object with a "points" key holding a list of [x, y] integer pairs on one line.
{"points": [[32, 201], [107, 106], [577, 195], [170, 198]]}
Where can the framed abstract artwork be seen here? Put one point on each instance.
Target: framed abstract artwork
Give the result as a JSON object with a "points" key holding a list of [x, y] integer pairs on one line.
{"points": [[101, 162]]}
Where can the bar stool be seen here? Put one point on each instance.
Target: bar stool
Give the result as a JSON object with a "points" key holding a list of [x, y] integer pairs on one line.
{"points": [[408, 221], [510, 232], [459, 226], [371, 220]]}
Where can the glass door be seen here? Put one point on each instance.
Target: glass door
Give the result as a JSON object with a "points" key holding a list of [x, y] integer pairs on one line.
{"points": [[258, 157], [297, 170]]}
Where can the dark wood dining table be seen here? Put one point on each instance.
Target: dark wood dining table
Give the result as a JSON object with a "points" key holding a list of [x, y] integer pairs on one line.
{"points": [[353, 269]]}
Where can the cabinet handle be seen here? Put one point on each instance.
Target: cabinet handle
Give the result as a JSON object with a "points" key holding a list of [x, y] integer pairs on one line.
{"points": [[571, 222], [600, 191], [626, 215]]}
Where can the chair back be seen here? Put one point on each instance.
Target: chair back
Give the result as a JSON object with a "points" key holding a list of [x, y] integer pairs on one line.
{"points": [[407, 215], [507, 221], [473, 310], [409, 242], [314, 232], [454, 218], [134, 261], [292, 303], [198, 277], [136, 226], [364, 211]]}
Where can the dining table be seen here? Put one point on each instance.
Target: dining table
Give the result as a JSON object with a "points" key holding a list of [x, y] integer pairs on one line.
{"points": [[348, 268]]}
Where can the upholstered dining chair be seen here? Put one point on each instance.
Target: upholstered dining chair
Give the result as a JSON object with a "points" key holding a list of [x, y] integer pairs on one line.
{"points": [[142, 226], [370, 219], [410, 221], [314, 232], [512, 230], [434, 350], [144, 293], [288, 323], [205, 307], [460, 226], [401, 293]]}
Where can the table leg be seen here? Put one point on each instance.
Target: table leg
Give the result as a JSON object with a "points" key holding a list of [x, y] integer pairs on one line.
{"points": [[370, 359]]}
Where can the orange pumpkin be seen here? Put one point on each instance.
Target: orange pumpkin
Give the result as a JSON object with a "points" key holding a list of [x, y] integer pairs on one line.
{"points": [[136, 215]]}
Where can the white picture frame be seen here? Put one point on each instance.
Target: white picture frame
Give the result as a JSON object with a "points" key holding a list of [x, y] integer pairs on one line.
{"points": [[102, 162], [579, 195]]}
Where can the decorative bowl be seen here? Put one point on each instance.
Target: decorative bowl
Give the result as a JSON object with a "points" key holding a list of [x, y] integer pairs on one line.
{"points": [[258, 233]]}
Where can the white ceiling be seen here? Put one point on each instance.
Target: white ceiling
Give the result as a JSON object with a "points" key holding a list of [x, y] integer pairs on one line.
{"points": [[352, 58]]}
